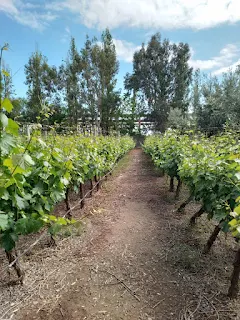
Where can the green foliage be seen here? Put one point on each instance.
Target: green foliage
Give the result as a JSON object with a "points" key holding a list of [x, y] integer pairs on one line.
{"points": [[161, 74], [209, 167], [35, 175], [70, 82], [88, 81], [215, 102], [179, 120], [42, 82]]}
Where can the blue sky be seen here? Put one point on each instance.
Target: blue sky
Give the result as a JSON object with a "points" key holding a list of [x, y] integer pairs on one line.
{"points": [[211, 27]]}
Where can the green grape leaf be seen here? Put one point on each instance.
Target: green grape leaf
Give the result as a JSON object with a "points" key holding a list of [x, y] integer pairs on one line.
{"points": [[8, 240], [28, 159], [24, 161], [12, 127], [28, 225], [237, 175], [237, 210], [52, 218], [62, 221], [54, 229], [4, 194], [4, 120], [8, 163], [3, 221], [7, 142], [19, 202], [7, 105], [38, 189]]}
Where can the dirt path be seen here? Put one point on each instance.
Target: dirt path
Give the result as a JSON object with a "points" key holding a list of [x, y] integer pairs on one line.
{"points": [[120, 268]]}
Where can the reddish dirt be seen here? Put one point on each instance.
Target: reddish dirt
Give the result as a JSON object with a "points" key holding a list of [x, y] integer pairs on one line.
{"points": [[137, 259]]}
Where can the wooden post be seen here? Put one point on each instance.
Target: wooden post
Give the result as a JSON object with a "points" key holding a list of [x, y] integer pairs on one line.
{"points": [[234, 287]]}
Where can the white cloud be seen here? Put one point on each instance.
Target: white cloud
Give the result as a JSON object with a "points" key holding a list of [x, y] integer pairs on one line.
{"points": [[8, 7], [67, 29], [168, 14], [220, 63], [125, 49], [223, 61], [226, 69], [66, 35], [55, 6], [203, 64], [26, 14]]}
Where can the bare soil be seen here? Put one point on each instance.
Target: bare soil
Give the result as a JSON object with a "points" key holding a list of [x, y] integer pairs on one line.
{"points": [[131, 257]]}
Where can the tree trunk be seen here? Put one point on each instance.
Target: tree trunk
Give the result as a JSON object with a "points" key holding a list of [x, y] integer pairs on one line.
{"points": [[178, 189], [81, 190], [69, 214], [212, 239], [96, 180], [91, 187], [52, 241], [11, 257], [171, 189], [196, 215], [184, 204], [234, 287]]}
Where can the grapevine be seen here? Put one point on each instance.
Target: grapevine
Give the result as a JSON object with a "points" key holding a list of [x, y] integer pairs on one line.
{"points": [[37, 174], [210, 168]]}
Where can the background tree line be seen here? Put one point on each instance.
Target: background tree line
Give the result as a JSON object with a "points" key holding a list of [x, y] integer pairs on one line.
{"points": [[162, 88], [216, 102]]}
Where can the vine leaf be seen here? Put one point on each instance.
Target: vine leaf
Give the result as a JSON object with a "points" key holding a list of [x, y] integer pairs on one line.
{"points": [[238, 175], [8, 240], [4, 120], [28, 225], [3, 221], [6, 143], [12, 127], [7, 105], [19, 202]]}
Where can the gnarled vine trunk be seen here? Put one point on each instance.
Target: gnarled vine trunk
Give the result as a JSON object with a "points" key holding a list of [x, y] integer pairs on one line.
{"points": [[81, 190], [96, 180], [68, 208], [178, 188], [171, 189], [212, 238], [184, 204], [234, 287], [196, 215], [11, 256]]}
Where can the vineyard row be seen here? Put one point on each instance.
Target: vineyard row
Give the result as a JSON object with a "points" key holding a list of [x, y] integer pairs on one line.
{"points": [[210, 168], [36, 174]]}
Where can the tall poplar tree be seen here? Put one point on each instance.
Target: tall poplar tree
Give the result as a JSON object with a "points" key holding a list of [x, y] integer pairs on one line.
{"points": [[41, 80], [70, 83]]}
